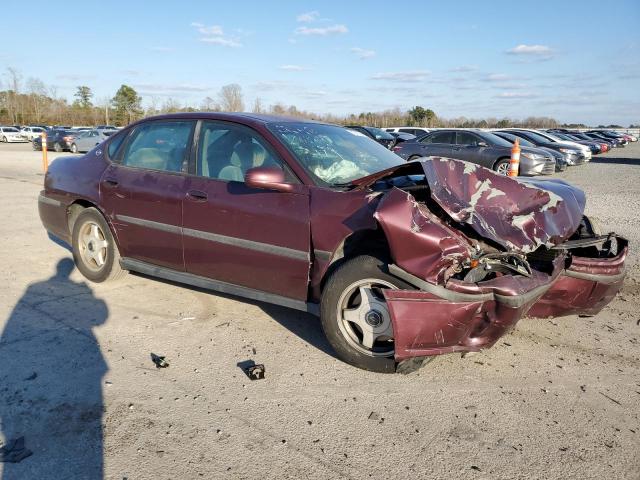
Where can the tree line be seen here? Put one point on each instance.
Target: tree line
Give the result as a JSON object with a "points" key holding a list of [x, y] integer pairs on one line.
{"points": [[31, 102]]}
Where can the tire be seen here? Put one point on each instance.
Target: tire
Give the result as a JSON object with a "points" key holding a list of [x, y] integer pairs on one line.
{"points": [[74, 148], [346, 337], [57, 147], [4, 139], [97, 261], [502, 166], [413, 157]]}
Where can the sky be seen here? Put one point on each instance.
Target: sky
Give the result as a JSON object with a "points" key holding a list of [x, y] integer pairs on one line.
{"points": [[576, 61]]}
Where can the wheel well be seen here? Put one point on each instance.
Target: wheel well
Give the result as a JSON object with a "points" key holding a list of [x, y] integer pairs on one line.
{"points": [[76, 209], [363, 242]]}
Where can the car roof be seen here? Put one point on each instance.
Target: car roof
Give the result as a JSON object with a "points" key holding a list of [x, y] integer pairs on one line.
{"points": [[233, 116]]}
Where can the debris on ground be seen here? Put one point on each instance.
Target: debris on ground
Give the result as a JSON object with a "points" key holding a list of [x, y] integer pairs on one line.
{"points": [[253, 370], [14, 451], [159, 361], [33, 376]]}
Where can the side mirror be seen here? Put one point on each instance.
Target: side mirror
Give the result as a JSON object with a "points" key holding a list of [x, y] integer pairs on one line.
{"points": [[271, 178], [482, 144]]}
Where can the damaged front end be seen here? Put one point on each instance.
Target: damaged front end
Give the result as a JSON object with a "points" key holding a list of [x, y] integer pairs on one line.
{"points": [[482, 251]]}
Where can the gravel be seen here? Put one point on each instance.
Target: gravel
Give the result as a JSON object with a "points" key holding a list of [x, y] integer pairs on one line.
{"points": [[555, 398]]}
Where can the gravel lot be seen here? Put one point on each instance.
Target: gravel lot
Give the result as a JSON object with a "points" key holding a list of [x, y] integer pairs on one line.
{"points": [[554, 399]]}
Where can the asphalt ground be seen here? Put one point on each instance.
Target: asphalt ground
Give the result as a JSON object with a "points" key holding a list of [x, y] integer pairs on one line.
{"points": [[553, 399]]}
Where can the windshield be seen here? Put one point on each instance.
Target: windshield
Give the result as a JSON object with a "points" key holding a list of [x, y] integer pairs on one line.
{"points": [[334, 155], [537, 137], [379, 134], [512, 138], [10, 129], [494, 139]]}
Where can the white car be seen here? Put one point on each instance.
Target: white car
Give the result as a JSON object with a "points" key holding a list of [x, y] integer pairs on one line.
{"points": [[578, 146], [10, 134], [417, 131], [29, 133]]}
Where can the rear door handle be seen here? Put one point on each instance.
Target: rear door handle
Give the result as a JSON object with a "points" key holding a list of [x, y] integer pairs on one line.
{"points": [[196, 196]]}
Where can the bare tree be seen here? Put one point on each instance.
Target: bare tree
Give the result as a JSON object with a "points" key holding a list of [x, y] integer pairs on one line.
{"points": [[257, 106], [13, 95], [209, 105], [231, 98]]}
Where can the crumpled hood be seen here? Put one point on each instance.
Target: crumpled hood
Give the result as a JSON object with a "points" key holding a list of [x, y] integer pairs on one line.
{"points": [[518, 214]]}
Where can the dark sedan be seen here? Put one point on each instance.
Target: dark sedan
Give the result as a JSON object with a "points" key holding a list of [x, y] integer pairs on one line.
{"points": [[594, 146], [561, 163], [479, 147], [401, 260], [57, 140], [383, 138]]}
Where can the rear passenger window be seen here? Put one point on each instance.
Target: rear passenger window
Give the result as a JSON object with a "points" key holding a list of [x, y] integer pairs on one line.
{"points": [[440, 137], [114, 145], [465, 138], [159, 146]]}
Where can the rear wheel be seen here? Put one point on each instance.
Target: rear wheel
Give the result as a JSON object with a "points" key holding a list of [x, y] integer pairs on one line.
{"points": [[4, 139], [94, 249], [57, 147], [74, 148], [502, 166], [414, 157], [354, 313]]}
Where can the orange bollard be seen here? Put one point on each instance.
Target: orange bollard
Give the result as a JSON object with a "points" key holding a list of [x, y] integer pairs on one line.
{"points": [[514, 163], [45, 162]]}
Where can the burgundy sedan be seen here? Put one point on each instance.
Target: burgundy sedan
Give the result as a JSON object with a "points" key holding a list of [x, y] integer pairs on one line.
{"points": [[401, 261]]}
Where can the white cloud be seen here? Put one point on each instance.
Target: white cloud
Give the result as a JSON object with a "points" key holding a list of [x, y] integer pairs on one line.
{"points": [[411, 76], [515, 95], [293, 68], [497, 77], [225, 42], [464, 68], [204, 30], [214, 34], [523, 49], [322, 31], [363, 53], [308, 17]]}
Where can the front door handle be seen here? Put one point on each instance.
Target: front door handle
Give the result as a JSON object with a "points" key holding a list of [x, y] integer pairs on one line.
{"points": [[196, 196], [110, 182]]}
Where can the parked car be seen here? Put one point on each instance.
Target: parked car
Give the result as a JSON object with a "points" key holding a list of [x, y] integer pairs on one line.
{"points": [[594, 146], [583, 148], [561, 162], [57, 140], [615, 142], [614, 135], [577, 136], [417, 131], [402, 137], [10, 135], [572, 155], [87, 139], [383, 138], [401, 260], [106, 127], [29, 133], [479, 147]]}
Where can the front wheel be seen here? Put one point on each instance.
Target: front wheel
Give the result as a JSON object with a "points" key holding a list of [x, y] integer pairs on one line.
{"points": [[57, 147], [94, 249], [4, 139], [354, 314], [74, 148], [502, 167]]}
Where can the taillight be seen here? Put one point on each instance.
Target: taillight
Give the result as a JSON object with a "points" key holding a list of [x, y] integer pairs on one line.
{"points": [[396, 149], [67, 139]]}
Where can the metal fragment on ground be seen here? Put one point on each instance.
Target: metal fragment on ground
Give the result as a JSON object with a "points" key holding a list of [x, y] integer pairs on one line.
{"points": [[159, 361]]}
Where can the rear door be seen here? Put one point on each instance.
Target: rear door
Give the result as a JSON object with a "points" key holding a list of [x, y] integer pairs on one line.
{"points": [[438, 144], [253, 238], [142, 192]]}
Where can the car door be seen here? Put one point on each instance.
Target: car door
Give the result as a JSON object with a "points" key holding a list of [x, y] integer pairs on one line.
{"points": [[254, 238], [438, 144], [142, 191], [466, 148]]}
